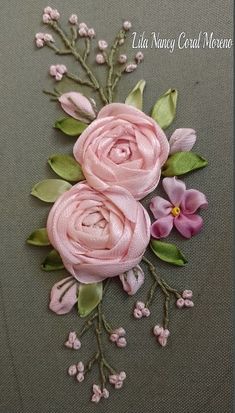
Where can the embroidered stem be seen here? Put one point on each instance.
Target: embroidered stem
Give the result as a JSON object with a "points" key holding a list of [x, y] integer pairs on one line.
{"points": [[87, 49], [151, 294], [121, 35], [107, 326], [78, 80], [99, 342], [88, 324], [91, 362]]}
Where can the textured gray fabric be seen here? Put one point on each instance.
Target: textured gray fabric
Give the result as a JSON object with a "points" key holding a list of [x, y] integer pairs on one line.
{"points": [[193, 373]]}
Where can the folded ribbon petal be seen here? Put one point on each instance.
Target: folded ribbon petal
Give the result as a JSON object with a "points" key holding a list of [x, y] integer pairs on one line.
{"points": [[162, 227], [160, 207], [175, 189], [188, 225], [193, 200]]}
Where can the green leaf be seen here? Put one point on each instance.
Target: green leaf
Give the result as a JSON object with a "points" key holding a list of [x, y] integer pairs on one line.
{"points": [[70, 126], [164, 109], [167, 252], [135, 97], [52, 262], [89, 297], [66, 167], [50, 189], [181, 163], [38, 238]]}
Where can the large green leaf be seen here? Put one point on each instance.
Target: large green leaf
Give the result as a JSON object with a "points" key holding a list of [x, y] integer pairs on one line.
{"points": [[39, 238], [49, 190], [167, 252], [66, 167], [52, 262], [181, 163], [89, 297], [135, 97], [164, 110], [70, 126]]}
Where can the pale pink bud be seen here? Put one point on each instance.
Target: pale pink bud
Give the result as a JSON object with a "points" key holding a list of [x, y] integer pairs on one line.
{"points": [[132, 280], [188, 303], [78, 106], [180, 303], [73, 19], [122, 375], [48, 38], [113, 378], [80, 367], [68, 344], [162, 341], [130, 67], [118, 385], [39, 43], [82, 25], [61, 289], [80, 377], [47, 10], [182, 140], [72, 370], [46, 18], [146, 312], [55, 15], [122, 59], [113, 337], [82, 32], [127, 25], [52, 70], [72, 336], [187, 294], [77, 344], [102, 44], [158, 330], [58, 76], [166, 333], [100, 59], [137, 313], [121, 342], [105, 394], [95, 398], [61, 69], [91, 33], [139, 57], [96, 389], [140, 305], [39, 36], [120, 331]]}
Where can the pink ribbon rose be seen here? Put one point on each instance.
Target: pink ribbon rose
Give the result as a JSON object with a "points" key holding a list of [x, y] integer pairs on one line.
{"points": [[124, 147], [98, 235]]}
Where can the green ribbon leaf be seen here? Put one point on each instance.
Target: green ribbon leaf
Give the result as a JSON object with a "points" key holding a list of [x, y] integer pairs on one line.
{"points": [[89, 297], [49, 190], [135, 97], [52, 262], [70, 126], [167, 252], [164, 110], [66, 167], [181, 163], [39, 238]]}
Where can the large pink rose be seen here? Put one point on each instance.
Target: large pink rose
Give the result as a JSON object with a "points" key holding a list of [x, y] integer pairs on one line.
{"points": [[98, 235], [124, 147]]}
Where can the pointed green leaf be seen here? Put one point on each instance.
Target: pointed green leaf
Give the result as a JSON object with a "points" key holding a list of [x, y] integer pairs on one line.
{"points": [[164, 110], [135, 97], [70, 126], [52, 262], [89, 297], [167, 252], [50, 189], [66, 167], [38, 238], [181, 163]]}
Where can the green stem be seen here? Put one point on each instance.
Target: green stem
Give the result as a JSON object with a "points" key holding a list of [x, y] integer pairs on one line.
{"points": [[78, 80], [91, 362], [87, 49], [166, 312], [114, 48], [100, 346], [170, 289], [88, 324], [107, 326], [151, 294]]}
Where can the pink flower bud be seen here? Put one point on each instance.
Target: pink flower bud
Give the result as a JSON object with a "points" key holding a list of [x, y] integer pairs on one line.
{"points": [[102, 45], [188, 303], [48, 38], [158, 330], [166, 333], [52, 70], [127, 25], [80, 377], [130, 67], [77, 344], [73, 19], [139, 57], [120, 331], [182, 140], [113, 378], [82, 25], [140, 305], [83, 32], [91, 33], [72, 336], [55, 15], [95, 398], [121, 342], [72, 370], [180, 303], [122, 59], [122, 375], [39, 43], [46, 18], [47, 10], [132, 280], [39, 36], [78, 106], [162, 341], [146, 312], [100, 59], [61, 69], [113, 337], [80, 367], [105, 394], [68, 344], [58, 76], [61, 289], [118, 385], [137, 313], [96, 389], [187, 294]]}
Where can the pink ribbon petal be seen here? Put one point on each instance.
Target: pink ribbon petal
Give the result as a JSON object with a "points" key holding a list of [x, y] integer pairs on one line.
{"points": [[160, 207], [188, 225], [193, 200], [162, 227], [175, 190]]}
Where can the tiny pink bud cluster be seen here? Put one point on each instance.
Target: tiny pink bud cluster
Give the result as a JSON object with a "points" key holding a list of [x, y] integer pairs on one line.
{"points": [[73, 19], [102, 45], [50, 14], [57, 71], [140, 310], [161, 335], [117, 336], [127, 25], [139, 57], [117, 379], [98, 393], [185, 300], [42, 38], [130, 67], [77, 370], [73, 342], [84, 31]]}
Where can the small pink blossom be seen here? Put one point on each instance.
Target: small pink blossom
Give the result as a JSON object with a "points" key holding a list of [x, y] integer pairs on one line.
{"points": [[113, 337], [146, 312], [161, 335], [158, 330], [68, 344], [73, 19], [180, 303], [105, 394], [39, 43], [39, 36], [47, 10], [83, 25], [102, 45], [57, 71], [121, 342], [91, 33], [118, 385], [162, 341], [72, 370], [48, 38], [100, 59], [83, 32], [122, 59], [55, 15], [139, 57], [187, 294], [122, 375], [188, 303], [46, 18], [120, 331], [130, 67], [113, 378], [97, 393], [80, 377], [80, 367], [140, 305], [72, 337], [182, 140], [127, 25], [77, 344], [73, 342], [179, 212], [137, 313]]}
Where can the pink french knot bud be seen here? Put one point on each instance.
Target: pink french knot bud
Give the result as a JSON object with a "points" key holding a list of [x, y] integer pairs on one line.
{"points": [[39, 43], [187, 294], [188, 303], [72, 370], [46, 18], [80, 377], [82, 25], [122, 375], [73, 19], [68, 344], [121, 342], [52, 70], [48, 38], [120, 331], [83, 32], [137, 313], [127, 25], [146, 312], [162, 340], [80, 367], [55, 15], [47, 10], [140, 305], [105, 394], [58, 76], [39, 36], [113, 337], [180, 303], [102, 45], [113, 378], [95, 398], [100, 59], [158, 330], [61, 69], [130, 67], [139, 57], [91, 33], [122, 59], [72, 337], [77, 344], [118, 385], [166, 333]]}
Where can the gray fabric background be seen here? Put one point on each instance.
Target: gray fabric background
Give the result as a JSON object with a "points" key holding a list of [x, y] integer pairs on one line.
{"points": [[193, 374]]}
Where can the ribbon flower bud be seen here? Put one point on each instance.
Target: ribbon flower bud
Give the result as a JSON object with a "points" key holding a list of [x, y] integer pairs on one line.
{"points": [[132, 280], [78, 106]]}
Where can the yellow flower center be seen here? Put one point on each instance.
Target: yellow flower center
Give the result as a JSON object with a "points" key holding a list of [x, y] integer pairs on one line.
{"points": [[175, 211]]}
